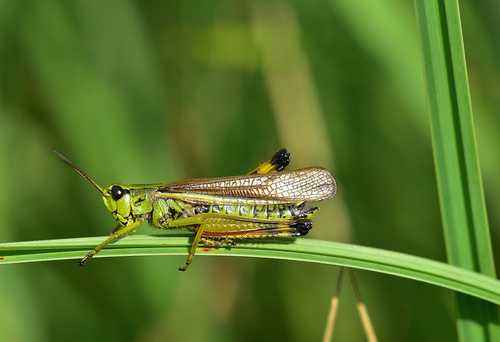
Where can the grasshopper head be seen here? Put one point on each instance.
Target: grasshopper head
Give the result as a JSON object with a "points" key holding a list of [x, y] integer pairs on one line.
{"points": [[119, 203], [116, 197]]}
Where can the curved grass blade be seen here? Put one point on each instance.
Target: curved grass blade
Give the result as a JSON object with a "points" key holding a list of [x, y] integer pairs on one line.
{"points": [[304, 250], [463, 210]]}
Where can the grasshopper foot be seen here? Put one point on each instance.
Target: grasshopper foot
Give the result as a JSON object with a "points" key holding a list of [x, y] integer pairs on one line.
{"points": [[86, 259], [184, 267]]}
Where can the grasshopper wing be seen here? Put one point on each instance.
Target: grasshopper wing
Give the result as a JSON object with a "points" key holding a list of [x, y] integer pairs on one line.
{"points": [[308, 184]]}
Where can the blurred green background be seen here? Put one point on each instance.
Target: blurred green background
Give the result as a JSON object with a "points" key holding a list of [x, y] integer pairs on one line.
{"points": [[162, 90]]}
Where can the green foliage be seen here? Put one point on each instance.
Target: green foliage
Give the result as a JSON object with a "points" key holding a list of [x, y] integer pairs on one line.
{"points": [[136, 91], [463, 210]]}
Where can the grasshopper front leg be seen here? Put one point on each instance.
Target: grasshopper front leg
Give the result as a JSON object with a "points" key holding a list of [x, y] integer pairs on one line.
{"points": [[116, 234]]}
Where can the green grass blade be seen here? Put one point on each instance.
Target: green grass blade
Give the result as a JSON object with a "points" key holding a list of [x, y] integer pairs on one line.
{"points": [[461, 196], [305, 250]]}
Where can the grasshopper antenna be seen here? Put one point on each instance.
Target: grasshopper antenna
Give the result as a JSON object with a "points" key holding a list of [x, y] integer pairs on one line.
{"points": [[80, 172]]}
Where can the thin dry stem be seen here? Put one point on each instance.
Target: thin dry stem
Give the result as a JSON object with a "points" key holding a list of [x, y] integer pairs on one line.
{"points": [[364, 316], [362, 310], [332, 315]]}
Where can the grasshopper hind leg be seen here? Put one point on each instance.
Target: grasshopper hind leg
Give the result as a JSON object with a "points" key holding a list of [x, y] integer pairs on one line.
{"points": [[278, 162], [280, 159], [302, 227], [218, 242], [297, 228], [215, 239]]}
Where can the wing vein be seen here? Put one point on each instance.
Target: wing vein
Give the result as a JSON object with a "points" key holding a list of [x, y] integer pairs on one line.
{"points": [[309, 184]]}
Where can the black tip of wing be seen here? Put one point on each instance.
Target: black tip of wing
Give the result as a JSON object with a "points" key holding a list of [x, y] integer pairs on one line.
{"points": [[281, 159]]}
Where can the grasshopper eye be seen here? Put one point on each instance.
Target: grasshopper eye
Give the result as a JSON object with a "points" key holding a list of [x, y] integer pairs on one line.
{"points": [[117, 192]]}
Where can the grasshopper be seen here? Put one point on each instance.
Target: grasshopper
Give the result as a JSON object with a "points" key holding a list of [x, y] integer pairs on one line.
{"points": [[266, 203]]}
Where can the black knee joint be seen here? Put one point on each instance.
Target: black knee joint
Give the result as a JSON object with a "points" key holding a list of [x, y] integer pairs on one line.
{"points": [[281, 159], [302, 227]]}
